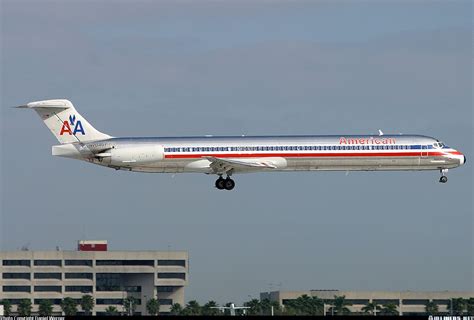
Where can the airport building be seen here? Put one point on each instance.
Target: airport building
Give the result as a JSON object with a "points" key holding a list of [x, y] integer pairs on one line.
{"points": [[407, 302], [108, 276]]}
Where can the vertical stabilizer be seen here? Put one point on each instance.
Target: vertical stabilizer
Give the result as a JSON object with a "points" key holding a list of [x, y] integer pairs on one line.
{"points": [[66, 124]]}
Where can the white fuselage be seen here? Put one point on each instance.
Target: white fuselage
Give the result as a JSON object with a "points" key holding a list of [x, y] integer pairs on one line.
{"points": [[225, 156], [273, 153]]}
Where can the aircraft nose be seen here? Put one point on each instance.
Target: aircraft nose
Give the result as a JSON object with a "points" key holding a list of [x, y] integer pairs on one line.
{"points": [[464, 160]]}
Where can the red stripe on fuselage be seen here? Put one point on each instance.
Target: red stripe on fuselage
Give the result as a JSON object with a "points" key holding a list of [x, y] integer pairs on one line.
{"points": [[301, 155]]}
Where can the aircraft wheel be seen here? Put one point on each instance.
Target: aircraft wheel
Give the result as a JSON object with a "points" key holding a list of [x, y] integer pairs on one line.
{"points": [[443, 179], [220, 183], [229, 184]]}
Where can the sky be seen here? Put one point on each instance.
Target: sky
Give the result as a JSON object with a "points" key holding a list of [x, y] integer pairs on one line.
{"points": [[171, 68]]}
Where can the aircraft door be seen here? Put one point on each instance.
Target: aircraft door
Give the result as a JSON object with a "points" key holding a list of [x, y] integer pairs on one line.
{"points": [[424, 151]]}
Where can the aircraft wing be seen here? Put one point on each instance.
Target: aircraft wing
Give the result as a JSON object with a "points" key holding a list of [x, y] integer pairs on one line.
{"points": [[221, 166]]}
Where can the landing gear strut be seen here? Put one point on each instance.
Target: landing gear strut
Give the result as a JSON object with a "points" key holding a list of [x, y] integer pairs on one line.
{"points": [[227, 183], [443, 178]]}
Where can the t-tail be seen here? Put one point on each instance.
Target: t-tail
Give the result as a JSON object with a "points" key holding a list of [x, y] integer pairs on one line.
{"points": [[66, 124]]}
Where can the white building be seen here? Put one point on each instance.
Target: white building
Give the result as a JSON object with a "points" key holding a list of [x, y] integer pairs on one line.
{"points": [[407, 302], [108, 276]]}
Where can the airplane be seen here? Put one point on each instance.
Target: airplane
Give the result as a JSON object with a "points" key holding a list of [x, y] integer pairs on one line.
{"points": [[229, 155], [232, 309]]}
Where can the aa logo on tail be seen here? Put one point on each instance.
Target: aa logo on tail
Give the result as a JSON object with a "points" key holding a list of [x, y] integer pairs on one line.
{"points": [[77, 125]]}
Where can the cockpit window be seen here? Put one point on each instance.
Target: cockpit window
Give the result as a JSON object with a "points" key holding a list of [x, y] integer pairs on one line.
{"points": [[438, 145]]}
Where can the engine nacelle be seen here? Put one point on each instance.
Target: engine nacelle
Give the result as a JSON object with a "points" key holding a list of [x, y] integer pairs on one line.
{"points": [[123, 156]]}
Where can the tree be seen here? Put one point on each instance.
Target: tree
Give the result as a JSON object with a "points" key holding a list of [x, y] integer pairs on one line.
{"points": [[69, 306], [340, 305], [192, 308], [254, 307], [305, 305], [153, 307], [130, 304], [470, 306], [176, 309], [315, 307], [372, 308], [390, 309], [87, 304], [111, 311], [456, 306], [24, 308], [431, 308], [45, 307], [7, 307], [266, 307], [299, 306], [210, 309]]}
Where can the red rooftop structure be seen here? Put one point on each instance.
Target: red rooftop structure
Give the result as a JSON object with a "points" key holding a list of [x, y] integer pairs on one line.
{"points": [[92, 245]]}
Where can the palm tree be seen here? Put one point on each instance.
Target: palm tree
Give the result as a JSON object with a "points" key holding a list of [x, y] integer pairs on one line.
{"points": [[45, 308], [7, 307], [371, 308], [130, 304], [254, 306], [153, 307], [266, 306], [431, 308], [470, 305], [276, 307], [340, 305], [87, 304], [192, 308], [69, 306], [210, 309], [302, 305], [306, 305], [24, 308], [456, 306], [176, 309], [111, 311], [390, 309], [316, 307]]}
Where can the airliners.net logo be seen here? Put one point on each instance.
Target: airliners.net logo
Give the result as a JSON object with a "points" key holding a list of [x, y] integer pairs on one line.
{"points": [[451, 318]]}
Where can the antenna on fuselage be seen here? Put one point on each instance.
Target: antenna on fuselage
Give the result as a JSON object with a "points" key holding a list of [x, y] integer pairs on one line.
{"points": [[380, 132]]}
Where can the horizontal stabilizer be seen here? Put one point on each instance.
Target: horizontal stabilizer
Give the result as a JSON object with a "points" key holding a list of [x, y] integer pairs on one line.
{"points": [[55, 104]]}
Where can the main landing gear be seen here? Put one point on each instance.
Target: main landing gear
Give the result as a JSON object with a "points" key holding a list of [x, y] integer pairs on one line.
{"points": [[443, 178], [227, 183]]}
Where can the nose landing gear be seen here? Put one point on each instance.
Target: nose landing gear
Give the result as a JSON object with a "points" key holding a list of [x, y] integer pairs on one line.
{"points": [[443, 178], [227, 183]]}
